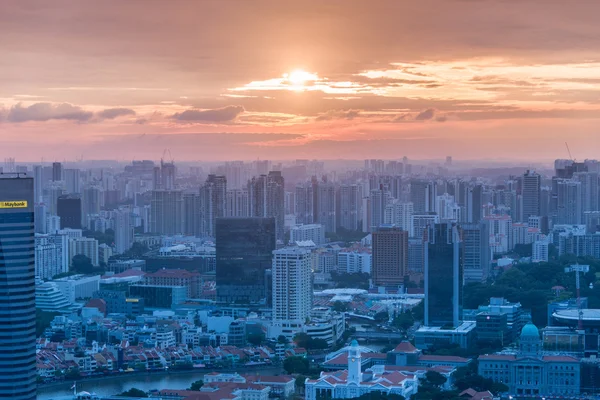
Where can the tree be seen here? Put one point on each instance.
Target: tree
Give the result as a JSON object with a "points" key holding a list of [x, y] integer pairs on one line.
{"points": [[296, 365], [301, 339], [381, 316], [435, 378], [300, 381], [340, 306], [133, 392], [282, 339], [73, 374], [43, 320], [404, 320], [82, 264], [196, 385]]}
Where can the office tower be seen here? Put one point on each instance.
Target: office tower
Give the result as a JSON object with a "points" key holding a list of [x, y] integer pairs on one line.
{"points": [[419, 196], [390, 256], [68, 208], [167, 175], [304, 203], [123, 230], [292, 286], [474, 204], [237, 203], [416, 259], [443, 275], [38, 183], [84, 246], [477, 254], [590, 194], [244, 249], [166, 207], [213, 197], [568, 202], [17, 290], [531, 188], [72, 178], [347, 206], [54, 192], [93, 201], [57, 172], [192, 217], [266, 198], [420, 222], [325, 205], [379, 200], [40, 211], [156, 180]]}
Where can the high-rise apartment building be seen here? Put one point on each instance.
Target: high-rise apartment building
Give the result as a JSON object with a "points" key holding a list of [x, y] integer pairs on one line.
{"points": [[266, 195], [244, 252], [166, 208], [213, 197], [192, 217], [530, 192], [325, 205], [72, 178], [304, 203], [477, 254], [123, 230], [390, 256], [347, 207], [84, 246], [292, 287], [313, 232], [237, 203], [68, 208], [443, 275], [38, 183], [57, 172], [17, 290]]}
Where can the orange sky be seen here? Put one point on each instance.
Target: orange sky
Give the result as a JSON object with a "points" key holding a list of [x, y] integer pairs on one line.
{"points": [[239, 79]]}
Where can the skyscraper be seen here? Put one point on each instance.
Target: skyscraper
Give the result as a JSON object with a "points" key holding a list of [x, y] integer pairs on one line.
{"points": [[304, 203], [266, 197], [347, 205], [17, 290], [325, 205], [390, 256], [192, 218], [166, 212], [123, 230], [213, 198], [443, 275], [292, 287], [476, 251], [57, 172], [531, 188], [244, 251], [68, 208]]}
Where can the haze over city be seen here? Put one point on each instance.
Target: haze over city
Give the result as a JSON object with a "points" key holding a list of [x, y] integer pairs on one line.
{"points": [[282, 79]]}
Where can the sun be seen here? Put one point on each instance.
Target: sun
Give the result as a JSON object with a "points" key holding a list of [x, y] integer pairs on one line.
{"points": [[299, 77]]}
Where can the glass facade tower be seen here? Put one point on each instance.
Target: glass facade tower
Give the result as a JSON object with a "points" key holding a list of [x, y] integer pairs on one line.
{"points": [[17, 290], [244, 253]]}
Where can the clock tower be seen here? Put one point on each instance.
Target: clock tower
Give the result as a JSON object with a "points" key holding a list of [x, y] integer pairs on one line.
{"points": [[354, 363]]}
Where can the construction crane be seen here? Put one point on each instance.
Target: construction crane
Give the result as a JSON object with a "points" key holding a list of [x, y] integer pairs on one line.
{"points": [[577, 269]]}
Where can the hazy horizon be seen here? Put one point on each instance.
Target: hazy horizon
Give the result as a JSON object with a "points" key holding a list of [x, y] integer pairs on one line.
{"points": [[277, 79]]}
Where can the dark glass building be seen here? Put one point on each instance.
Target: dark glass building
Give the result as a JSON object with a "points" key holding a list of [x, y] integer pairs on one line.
{"points": [[443, 275], [17, 290], [68, 208], [244, 253]]}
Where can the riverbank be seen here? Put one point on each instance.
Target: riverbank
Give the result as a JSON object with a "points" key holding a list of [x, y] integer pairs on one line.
{"points": [[277, 370]]}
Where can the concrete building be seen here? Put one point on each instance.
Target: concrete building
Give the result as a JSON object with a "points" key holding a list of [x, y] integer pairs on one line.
{"points": [[529, 373], [192, 281], [78, 286], [123, 230], [531, 189], [347, 206], [354, 261], [292, 288], [85, 246], [477, 255], [213, 199], [266, 199], [166, 212], [390, 256], [464, 335], [313, 232]]}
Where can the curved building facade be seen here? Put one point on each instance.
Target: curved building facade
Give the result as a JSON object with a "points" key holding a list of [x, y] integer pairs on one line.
{"points": [[17, 290]]}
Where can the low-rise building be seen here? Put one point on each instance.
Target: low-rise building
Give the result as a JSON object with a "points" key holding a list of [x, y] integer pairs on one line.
{"points": [[464, 335]]}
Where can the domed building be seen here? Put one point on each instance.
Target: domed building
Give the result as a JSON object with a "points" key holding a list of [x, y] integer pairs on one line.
{"points": [[529, 341], [530, 372]]}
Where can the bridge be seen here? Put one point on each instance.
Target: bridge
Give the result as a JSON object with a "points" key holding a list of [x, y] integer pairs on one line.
{"points": [[379, 336]]}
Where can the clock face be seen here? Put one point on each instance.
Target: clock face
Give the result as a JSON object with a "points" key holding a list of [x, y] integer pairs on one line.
{"points": [[353, 359]]}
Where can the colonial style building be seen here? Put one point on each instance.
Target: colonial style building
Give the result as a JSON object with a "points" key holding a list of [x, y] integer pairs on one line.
{"points": [[353, 382], [530, 373]]}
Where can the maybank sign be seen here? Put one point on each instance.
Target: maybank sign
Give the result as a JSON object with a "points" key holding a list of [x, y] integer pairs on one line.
{"points": [[13, 204]]}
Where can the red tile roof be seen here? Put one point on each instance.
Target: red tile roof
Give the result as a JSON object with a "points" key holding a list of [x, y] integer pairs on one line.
{"points": [[444, 358], [406, 347]]}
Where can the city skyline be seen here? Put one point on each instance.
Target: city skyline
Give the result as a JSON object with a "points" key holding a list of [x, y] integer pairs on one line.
{"points": [[267, 79]]}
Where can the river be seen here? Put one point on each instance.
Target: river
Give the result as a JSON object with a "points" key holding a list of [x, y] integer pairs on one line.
{"points": [[147, 382]]}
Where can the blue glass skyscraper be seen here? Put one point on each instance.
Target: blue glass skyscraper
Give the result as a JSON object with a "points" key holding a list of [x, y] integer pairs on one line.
{"points": [[17, 290]]}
